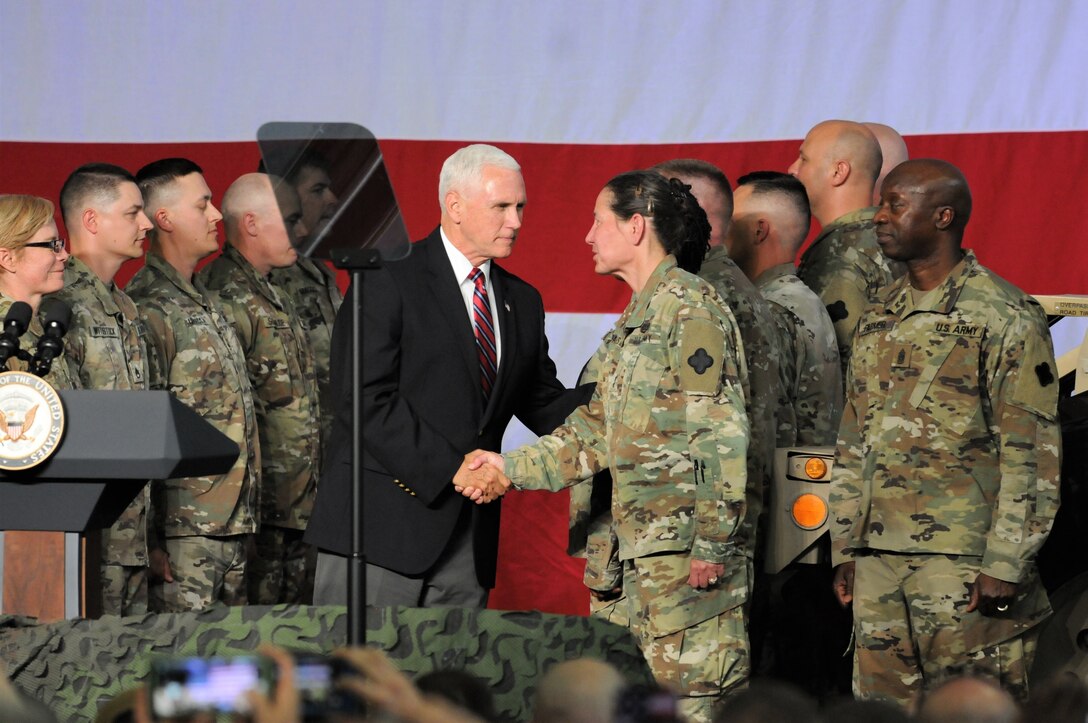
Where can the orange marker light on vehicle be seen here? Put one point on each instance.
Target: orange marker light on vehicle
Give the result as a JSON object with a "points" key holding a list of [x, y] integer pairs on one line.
{"points": [[815, 468], [809, 511]]}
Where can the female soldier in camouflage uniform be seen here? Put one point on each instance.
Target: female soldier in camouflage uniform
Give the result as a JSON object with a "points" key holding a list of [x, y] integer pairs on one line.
{"points": [[32, 260], [667, 419]]}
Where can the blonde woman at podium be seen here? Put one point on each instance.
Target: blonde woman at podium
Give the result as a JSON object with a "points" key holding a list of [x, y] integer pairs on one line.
{"points": [[32, 260]]}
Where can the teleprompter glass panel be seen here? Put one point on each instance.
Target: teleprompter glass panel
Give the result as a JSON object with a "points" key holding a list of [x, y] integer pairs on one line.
{"points": [[339, 165]]}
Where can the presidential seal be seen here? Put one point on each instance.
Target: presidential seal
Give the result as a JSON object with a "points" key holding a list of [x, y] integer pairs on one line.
{"points": [[31, 420]]}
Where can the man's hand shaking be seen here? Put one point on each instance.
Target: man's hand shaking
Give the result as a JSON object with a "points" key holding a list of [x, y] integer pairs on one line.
{"points": [[481, 477]]}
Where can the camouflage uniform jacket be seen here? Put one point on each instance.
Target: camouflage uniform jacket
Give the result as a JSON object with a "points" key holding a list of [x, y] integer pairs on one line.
{"points": [[949, 442], [59, 376], [590, 533], [281, 370], [667, 419], [311, 286], [762, 355], [845, 267], [194, 354], [811, 373], [106, 349]]}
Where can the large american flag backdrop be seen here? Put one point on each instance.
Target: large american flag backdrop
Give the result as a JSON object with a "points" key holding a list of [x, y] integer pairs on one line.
{"points": [[577, 92]]}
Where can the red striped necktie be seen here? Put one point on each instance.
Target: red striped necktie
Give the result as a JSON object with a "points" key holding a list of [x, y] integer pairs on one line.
{"points": [[485, 332]]}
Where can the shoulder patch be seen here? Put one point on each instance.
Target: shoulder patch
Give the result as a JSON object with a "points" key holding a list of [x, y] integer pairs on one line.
{"points": [[1046, 376], [838, 311], [702, 346], [1035, 387]]}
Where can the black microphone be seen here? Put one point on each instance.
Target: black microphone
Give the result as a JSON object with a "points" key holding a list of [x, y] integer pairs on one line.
{"points": [[15, 324], [55, 316]]}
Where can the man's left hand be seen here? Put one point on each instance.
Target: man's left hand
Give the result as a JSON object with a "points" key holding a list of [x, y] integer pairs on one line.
{"points": [[705, 574], [991, 596], [158, 563]]}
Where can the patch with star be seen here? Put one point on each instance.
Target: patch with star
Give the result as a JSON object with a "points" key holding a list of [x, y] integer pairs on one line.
{"points": [[702, 345]]}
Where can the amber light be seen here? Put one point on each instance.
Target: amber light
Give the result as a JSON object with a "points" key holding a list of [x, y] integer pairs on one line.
{"points": [[815, 468], [809, 511]]}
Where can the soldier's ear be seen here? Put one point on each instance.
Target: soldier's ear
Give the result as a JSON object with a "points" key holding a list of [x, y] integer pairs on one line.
{"points": [[89, 219], [638, 228], [840, 172], [761, 231], [7, 259], [944, 217], [161, 217], [249, 223]]}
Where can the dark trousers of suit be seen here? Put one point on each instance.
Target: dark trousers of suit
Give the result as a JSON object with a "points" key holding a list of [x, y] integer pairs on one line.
{"points": [[451, 582]]}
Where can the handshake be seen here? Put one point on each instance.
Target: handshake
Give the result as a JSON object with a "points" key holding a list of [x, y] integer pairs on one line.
{"points": [[481, 477]]}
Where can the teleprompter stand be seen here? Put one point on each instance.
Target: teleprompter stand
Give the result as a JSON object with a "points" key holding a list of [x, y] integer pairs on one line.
{"points": [[364, 229], [357, 262]]}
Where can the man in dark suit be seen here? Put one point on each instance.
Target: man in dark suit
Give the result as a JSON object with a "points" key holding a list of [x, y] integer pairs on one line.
{"points": [[448, 358]]}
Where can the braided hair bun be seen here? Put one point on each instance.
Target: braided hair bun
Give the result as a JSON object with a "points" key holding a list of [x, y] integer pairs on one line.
{"points": [[668, 204]]}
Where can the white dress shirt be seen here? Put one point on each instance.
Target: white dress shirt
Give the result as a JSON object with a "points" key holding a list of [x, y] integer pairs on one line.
{"points": [[461, 270]]}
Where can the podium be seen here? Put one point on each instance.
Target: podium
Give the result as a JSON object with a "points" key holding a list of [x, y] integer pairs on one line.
{"points": [[114, 442]]}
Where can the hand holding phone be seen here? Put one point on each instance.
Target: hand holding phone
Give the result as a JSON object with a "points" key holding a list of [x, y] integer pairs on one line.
{"points": [[189, 685]]}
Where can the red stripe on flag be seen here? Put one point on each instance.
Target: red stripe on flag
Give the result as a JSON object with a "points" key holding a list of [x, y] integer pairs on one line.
{"points": [[1027, 223]]}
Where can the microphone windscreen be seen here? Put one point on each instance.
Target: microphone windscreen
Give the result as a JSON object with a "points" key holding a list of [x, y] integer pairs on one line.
{"points": [[19, 314], [54, 312]]}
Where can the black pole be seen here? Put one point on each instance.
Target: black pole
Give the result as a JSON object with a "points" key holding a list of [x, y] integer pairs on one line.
{"points": [[357, 261]]}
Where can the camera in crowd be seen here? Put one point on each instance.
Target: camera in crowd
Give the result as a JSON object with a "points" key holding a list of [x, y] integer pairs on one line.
{"points": [[184, 686]]}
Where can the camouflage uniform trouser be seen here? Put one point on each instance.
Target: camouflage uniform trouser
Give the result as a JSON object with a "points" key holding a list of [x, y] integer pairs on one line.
{"points": [[282, 568], [912, 632], [205, 570], [123, 561], [124, 589], [693, 646]]}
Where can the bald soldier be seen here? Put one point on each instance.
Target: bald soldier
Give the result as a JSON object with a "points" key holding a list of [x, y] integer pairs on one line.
{"points": [[893, 151], [770, 222], [945, 482], [194, 354], [838, 163], [260, 237]]}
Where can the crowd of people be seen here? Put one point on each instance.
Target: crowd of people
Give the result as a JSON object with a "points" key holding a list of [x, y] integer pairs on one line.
{"points": [[933, 377], [581, 690]]}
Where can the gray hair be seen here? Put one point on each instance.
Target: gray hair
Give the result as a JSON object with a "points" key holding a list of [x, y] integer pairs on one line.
{"points": [[465, 168]]}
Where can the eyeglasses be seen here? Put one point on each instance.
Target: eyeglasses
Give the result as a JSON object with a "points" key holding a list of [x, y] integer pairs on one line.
{"points": [[56, 245]]}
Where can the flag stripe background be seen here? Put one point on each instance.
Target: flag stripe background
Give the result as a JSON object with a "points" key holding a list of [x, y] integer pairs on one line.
{"points": [[577, 92]]}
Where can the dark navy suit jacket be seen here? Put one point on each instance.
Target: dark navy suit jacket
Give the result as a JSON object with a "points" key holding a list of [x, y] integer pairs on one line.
{"points": [[424, 410]]}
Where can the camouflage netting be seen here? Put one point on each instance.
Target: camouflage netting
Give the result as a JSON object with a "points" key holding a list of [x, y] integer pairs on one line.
{"points": [[74, 667]]}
